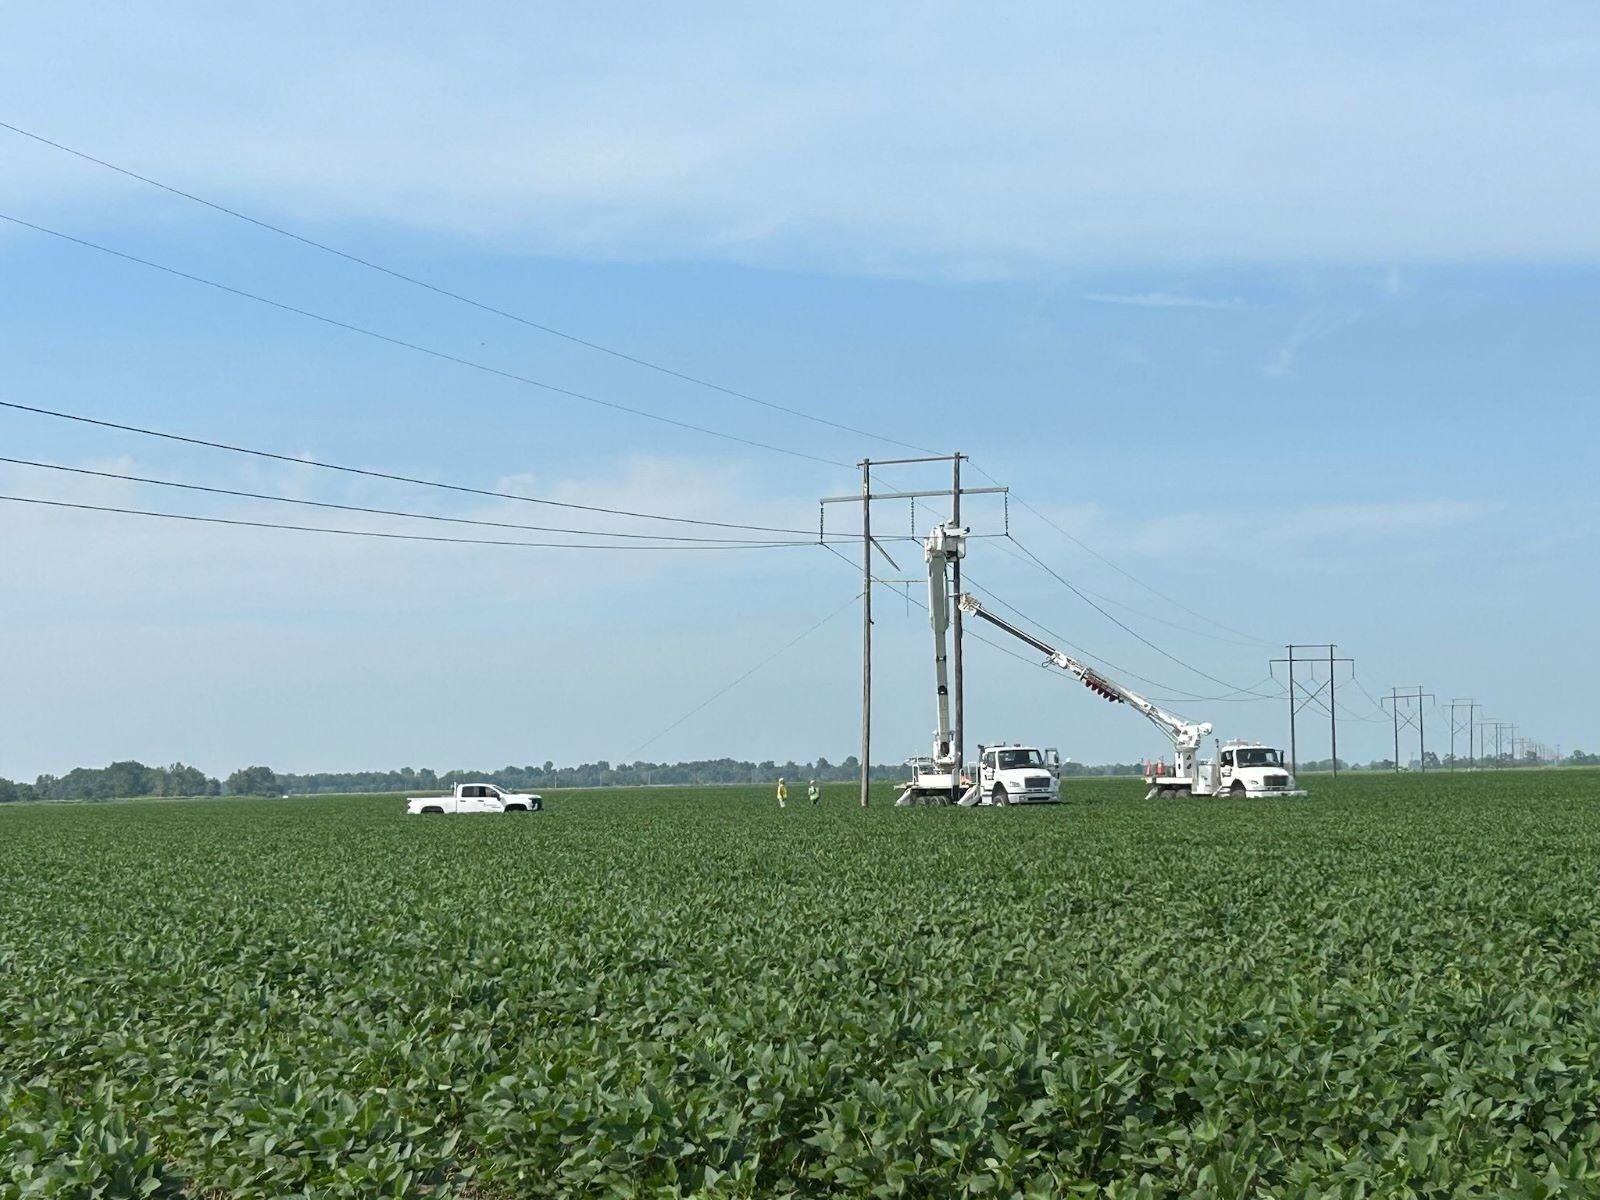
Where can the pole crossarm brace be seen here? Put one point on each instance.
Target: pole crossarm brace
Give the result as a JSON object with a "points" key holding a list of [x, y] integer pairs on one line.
{"points": [[856, 499], [1411, 717], [1459, 725]]}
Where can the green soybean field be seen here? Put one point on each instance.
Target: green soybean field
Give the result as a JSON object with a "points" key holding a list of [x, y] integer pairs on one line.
{"points": [[1388, 988]]}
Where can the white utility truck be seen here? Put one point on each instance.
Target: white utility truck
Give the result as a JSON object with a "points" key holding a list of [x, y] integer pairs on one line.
{"points": [[1014, 774], [1241, 768], [475, 798]]}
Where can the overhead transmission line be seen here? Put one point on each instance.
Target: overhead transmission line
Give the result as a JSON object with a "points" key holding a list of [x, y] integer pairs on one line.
{"points": [[394, 478], [1147, 616], [1087, 549], [417, 347], [384, 512], [399, 537], [1075, 590], [542, 327], [551, 330], [482, 306], [977, 637], [1241, 696], [724, 690]]}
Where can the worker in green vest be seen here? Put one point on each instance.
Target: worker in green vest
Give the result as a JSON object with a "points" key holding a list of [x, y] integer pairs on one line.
{"points": [[783, 791], [813, 793]]}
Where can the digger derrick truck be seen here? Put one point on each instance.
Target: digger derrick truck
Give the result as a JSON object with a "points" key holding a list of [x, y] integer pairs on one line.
{"points": [[1240, 768], [1011, 774]]}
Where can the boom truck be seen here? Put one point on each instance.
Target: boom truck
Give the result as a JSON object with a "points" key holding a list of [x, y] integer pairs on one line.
{"points": [[1240, 768], [1012, 774]]}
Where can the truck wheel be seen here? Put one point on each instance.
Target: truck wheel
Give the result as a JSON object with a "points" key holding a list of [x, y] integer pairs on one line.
{"points": [[999, 796], [1236, 790], [433, 808], [511, 808]]}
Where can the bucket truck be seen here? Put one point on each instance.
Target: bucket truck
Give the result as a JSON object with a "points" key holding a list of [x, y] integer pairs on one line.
{"points": [[936, 779], [1009, 774], [1240, 768]]}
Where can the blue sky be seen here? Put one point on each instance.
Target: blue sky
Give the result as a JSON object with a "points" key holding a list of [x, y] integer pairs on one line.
{"points": [[1290, 315]]}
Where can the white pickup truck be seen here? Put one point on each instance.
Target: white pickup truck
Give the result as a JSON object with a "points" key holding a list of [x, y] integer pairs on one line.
{"points": [[474, 798]]}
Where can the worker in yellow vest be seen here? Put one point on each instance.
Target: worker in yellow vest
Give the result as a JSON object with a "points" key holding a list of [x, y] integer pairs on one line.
{"points": [[783, 791]]}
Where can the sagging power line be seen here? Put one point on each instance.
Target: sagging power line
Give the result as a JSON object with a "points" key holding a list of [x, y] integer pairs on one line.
{"points": [[373, 533], [458, 297], [587, 343], [391, 476], [381, 512], [416, 347]]}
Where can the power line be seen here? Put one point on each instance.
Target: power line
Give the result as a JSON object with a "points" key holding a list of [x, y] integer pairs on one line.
{"points": [[382, 512], [371, 533], [1128, 608], [457, 296], [1006, 650], [417, 347], [1240, 696], [1075, 590], [717, 695], [1126, 574], [393, 478]]}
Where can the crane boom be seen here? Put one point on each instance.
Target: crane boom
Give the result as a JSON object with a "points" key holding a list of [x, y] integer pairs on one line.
{"points": [[1185, 735], [942, 546]]}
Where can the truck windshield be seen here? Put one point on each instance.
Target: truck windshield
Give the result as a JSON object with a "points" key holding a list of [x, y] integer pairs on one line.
{"points": [[1010, 760], [1260, 756]]}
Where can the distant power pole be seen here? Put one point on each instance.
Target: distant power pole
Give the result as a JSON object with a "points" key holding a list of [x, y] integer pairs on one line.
{"points": [[1411, 717], [1302, 694], [1457, 726], [1483, 740]]}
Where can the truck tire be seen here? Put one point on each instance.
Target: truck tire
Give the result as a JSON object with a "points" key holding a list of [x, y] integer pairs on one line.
{"points": [[1237, 790], [433, 808], [999, 796], [511, 808]]}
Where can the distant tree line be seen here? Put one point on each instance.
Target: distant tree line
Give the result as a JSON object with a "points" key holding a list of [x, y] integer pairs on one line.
{"points": [[128, 779], [131, 778]]}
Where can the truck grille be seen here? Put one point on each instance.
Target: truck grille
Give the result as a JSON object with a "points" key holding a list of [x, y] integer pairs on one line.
{"points": [[1037, 783], [1276, 781]]}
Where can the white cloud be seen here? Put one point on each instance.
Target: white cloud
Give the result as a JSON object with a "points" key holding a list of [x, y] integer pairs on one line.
{"points": [[888, 139], [1162, 300]]}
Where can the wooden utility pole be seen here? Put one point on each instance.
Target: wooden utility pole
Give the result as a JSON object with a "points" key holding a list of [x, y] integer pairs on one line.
{"points": [[960, 731], [865, 499], [866, 628]]}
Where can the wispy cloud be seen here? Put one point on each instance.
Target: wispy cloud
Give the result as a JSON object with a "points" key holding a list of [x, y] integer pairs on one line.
{"points": [[1310, 327], [1162, 300], [852, 140]]}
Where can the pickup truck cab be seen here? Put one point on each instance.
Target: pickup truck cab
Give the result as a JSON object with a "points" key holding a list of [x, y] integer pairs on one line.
{"points": [[474, 798]]}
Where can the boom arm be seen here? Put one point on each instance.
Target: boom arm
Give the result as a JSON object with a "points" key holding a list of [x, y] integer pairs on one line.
{"points": [[1186, 736], [943, 545]]}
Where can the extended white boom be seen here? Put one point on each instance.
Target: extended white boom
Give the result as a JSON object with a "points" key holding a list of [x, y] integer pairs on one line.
{"points": [[1185, 736]]}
